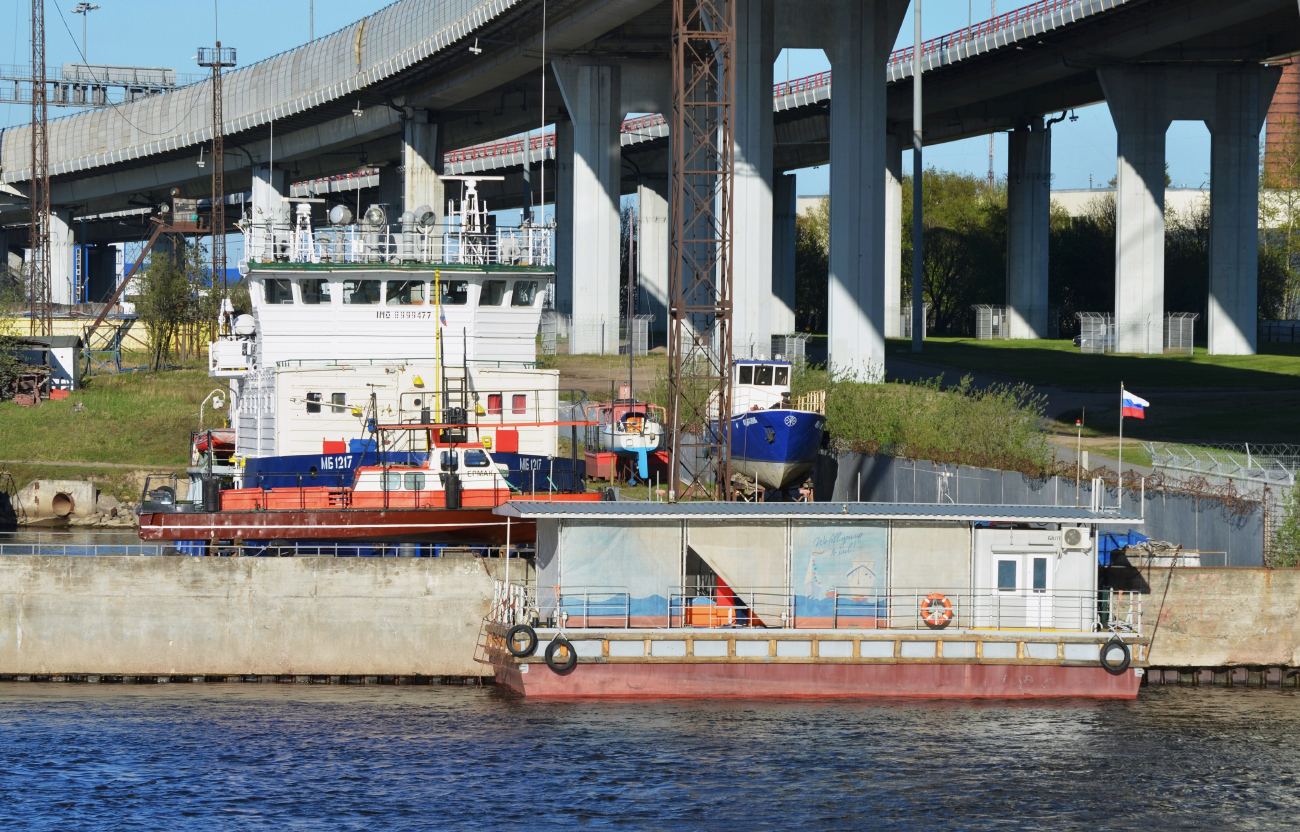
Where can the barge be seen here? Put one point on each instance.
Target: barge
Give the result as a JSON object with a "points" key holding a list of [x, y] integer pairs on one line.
{"points": [[815, 599]]}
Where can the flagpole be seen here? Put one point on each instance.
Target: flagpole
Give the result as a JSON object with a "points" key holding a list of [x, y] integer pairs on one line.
{"points": [[1119, 479]]}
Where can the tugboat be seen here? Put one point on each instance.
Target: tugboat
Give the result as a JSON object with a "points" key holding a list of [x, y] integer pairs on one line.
{"points": [[772, 442]]}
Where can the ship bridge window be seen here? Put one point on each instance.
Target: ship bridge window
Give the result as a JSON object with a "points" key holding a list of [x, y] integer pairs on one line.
{"points": [[519, 403], [361, 291], [454, 292], [313, 402], [494, 404], [448, 461], [782, 376], [315, 291], [474, 458], [278, 291], [405, 292], [414, 482], [494, 291], [763, 375], [392, 481], [746, 374], [339, 402], [524, 294]]}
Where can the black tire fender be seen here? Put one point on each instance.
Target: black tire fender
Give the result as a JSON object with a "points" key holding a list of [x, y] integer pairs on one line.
{"points": [[529, 647], [566, 664], [1112, 667]]}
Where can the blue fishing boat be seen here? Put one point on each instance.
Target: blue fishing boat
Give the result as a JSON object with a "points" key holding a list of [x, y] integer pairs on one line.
{"points": [[772, 442]]}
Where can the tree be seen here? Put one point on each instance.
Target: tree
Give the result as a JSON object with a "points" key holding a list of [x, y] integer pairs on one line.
{"points": [[812, 247], [176, 292]]}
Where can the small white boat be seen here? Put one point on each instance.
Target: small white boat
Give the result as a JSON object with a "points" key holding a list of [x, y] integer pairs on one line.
{"points": [[632, 430]]}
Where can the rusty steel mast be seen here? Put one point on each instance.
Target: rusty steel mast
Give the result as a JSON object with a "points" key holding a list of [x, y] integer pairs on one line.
{"points": [[38, 270], [218, 58], [699, 276]]}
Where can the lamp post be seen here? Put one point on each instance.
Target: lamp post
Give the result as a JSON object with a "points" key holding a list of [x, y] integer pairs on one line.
{"points": [[84, 9], [217, 403]]}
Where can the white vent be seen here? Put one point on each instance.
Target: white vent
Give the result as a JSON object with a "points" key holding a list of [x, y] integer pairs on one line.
{"points": [[1076, 537]]}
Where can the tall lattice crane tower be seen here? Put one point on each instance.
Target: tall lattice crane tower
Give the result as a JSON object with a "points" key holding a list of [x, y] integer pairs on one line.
{"points": [[218, 58], [700, 267], [42, 322]]}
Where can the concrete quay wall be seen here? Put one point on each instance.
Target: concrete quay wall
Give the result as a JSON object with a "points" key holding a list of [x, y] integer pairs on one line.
{"points": [[144, 616], [1223, 617]]}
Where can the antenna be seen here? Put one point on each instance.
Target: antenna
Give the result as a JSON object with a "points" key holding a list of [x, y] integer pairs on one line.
{"points": [[218, 58]]}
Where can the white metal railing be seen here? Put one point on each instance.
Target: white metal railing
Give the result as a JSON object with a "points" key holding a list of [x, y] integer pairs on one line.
{"points": [[286, 243], [303, 549], [767, 607], [1040, 610], [512, 603], [595, 606]]}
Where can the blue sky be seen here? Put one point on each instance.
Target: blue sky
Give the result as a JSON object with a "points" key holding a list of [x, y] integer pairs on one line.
{"points": [[131, 32]]}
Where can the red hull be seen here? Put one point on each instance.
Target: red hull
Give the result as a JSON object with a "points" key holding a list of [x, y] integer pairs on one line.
{"points": [[471, 525], [928, 681]]}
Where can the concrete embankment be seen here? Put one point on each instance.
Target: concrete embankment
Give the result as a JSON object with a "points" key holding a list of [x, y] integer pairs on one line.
{"points": [[1224, 618], [156, 616]]}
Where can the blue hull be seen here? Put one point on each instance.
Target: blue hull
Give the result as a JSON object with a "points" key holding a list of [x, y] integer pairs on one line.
{"points": [[776, 446], [526, 472]]}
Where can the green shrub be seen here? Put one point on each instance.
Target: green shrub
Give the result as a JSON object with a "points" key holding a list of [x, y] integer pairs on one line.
{"points": [[1286, 548]]}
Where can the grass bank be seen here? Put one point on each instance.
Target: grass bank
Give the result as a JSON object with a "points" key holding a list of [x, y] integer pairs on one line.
{"points": [[1059, 363], [996, 427]]}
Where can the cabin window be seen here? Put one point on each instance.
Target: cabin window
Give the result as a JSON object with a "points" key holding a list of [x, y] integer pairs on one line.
{"points": [[494, 291], [449, 460], [414, 482], [763, 376], [519, 403], [313, 402], [314, 291], [361, 291], [746, 374], [524, 294], [339, 402], [454, 292], [1007, 575], [278, 291], [392, 481], [405, 292], [782, 376], [1040, 574], [494, 404], [474, 458]]}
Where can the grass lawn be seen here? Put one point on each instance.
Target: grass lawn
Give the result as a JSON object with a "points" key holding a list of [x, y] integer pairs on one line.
{"points": [[1059, 363], [139, 419]]}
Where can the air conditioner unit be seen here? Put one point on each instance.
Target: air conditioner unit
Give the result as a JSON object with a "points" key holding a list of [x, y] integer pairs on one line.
{"points": [[1076, 537]]}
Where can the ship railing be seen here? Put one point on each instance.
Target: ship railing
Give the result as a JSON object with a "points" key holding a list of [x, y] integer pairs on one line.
{"points": [[594, 606], [199, 548], [993, 609], [765, 607], [529, 245], [512, 603]]}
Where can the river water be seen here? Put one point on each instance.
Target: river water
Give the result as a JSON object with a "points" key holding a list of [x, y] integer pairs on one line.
{"points": [[244, 756]]}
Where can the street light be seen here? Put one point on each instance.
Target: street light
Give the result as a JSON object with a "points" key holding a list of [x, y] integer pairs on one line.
{"points": [[84, 9], [217, 403]]}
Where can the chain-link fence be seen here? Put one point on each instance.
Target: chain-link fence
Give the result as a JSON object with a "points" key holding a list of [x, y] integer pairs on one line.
{"points": [[991, 322]]}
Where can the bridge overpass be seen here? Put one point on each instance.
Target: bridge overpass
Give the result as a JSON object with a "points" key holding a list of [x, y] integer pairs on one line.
{"points": [[402, 91]]}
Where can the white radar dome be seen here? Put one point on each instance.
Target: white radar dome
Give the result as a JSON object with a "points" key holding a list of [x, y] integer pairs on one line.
{"points": [[244, 325]]}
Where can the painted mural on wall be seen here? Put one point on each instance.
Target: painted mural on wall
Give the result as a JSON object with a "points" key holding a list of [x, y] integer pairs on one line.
{"points": [[847, 559]]}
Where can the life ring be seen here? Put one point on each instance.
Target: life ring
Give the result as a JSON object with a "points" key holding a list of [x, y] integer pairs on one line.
{"points": [[565, 663], [529, 646], [936, 611], [1115, 666]]}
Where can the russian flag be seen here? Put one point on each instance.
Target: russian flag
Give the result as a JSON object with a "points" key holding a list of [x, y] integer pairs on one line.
{"points": [[1134, 406]]}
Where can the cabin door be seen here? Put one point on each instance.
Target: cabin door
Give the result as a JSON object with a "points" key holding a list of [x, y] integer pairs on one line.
{"points": [[1023, 589]]}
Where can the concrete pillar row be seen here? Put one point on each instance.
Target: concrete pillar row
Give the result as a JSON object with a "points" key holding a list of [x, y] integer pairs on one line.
{"points": [[63, 257], [590, 216], [1241, 103], [652, 254], [1138, 104], [785, 210], [752, 250], [893, 235], [421, 166], [268, 194], [1029, 209], [862, 34]]}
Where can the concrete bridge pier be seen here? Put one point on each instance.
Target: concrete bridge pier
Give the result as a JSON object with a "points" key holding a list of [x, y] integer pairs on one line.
{"points": [[894, 236], [1138, 102], [1242, 100], [652, 254], [589, 160], [752, 251], [859, 41], [63, 258], [415, 179], [785, 209], [1029, 208]]}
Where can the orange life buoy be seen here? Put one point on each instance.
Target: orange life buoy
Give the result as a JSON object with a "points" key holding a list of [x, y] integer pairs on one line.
{"points": [[936, 611]]}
